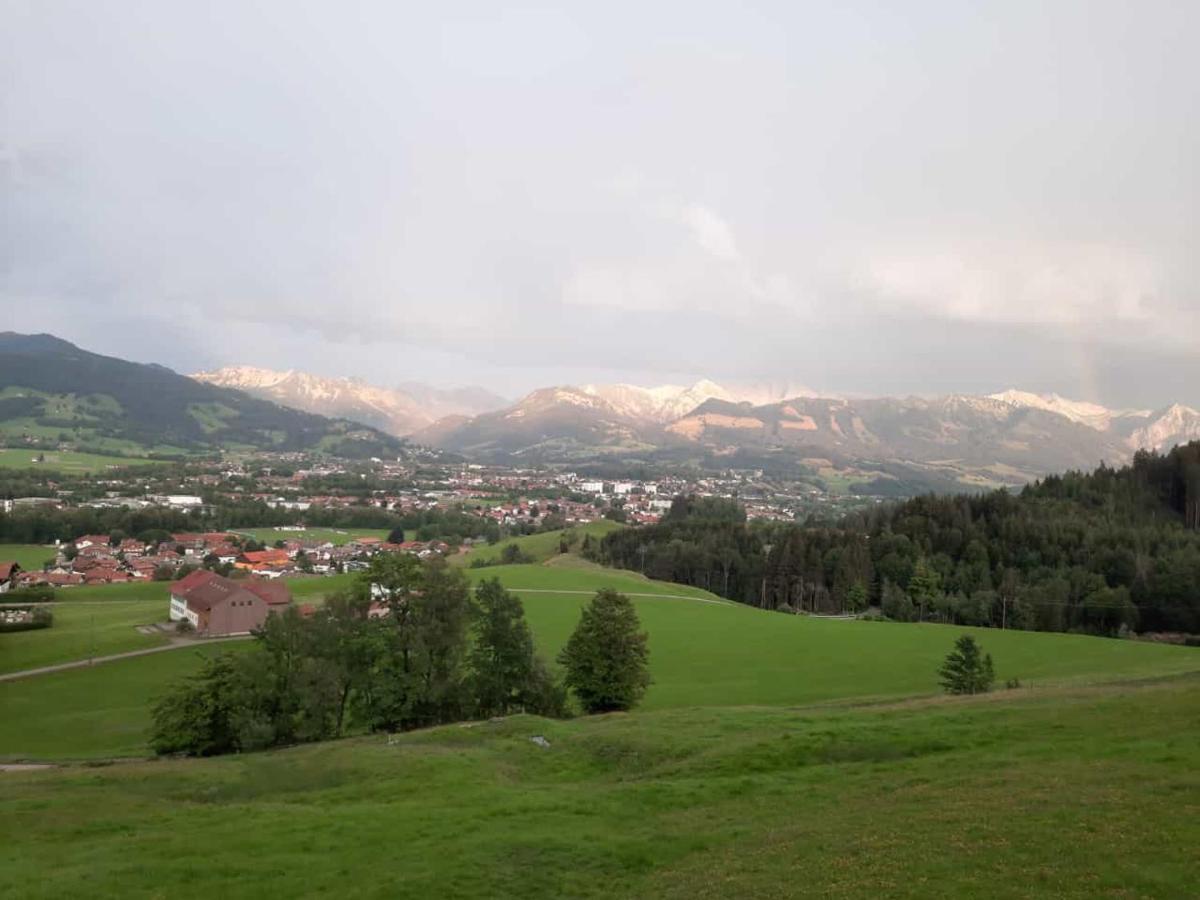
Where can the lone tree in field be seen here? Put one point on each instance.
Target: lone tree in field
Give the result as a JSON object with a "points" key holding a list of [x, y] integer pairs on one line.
{"points": [[606, 656], [966, 670]]}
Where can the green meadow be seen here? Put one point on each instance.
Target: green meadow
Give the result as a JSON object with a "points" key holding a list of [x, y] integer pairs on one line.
{"points": [[67, 461], [773, 756], [705, 652], [82, 630], [1066, 792], [30, 556]]}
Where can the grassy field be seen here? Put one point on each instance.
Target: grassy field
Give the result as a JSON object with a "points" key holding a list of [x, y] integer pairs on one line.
{"points": [[81, 630], [96, 712], [704, 652], [335, 536], [1075, 793], [66, 461], [31, 556], [539, 547]]}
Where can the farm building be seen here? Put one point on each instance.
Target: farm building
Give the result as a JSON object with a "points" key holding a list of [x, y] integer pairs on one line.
{"points": [[217, 606], [8, 574]]}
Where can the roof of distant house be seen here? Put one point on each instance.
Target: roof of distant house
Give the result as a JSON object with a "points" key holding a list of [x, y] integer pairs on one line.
{"points": [[275, 593]]}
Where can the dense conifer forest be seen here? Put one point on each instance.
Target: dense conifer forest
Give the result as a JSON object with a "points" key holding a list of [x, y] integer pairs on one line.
{"points": [[1105, 552]]}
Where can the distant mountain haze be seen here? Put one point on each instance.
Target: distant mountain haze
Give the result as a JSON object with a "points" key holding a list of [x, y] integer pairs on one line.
{"points": [[397, 411]]}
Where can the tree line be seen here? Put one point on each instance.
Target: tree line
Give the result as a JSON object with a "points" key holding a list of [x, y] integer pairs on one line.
{"points": [[1105, 552], [439, 653]]}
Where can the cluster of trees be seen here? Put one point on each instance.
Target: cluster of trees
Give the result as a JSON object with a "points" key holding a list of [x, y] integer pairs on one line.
{"points": [[702, 541], [45, 524], [442, 653], [1104, 552]]}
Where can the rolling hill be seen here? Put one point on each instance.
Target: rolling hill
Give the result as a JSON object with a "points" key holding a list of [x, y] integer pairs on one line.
{"points": [[52, 393]]}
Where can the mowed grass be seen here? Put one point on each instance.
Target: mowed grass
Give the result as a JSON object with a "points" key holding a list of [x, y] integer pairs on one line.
{"points": [[1076, 793], [335, 536], [67, 461], [98, 712], [81, 630], [704, 652], [538, 547], [31, 557]]}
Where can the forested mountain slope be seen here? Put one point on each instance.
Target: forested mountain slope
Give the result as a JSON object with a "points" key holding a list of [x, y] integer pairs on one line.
{"points": [[1105, 552], [53, 392]]}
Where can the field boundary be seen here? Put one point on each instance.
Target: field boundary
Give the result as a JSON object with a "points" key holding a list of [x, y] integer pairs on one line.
{"points": [[114, 657], [521, 590]]}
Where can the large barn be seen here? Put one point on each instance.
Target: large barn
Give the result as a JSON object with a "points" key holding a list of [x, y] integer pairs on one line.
{"points": [[217, 606]]}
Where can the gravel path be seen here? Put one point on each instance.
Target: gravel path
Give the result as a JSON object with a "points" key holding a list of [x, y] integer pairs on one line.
{"points": [[175, 644]]}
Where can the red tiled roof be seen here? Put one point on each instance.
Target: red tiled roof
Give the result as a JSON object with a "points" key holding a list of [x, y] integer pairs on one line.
{"points": [[275, 593], [265, 556], [6, 570], [192, 580]]}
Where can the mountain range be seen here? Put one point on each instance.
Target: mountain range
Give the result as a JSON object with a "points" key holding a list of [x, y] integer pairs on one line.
{"points": [[51, 390], [397, 411], [1007, 437]]}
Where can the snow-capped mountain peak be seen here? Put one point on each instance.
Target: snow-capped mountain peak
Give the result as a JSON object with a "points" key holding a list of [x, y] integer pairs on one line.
{"points": [[1091, 414]]}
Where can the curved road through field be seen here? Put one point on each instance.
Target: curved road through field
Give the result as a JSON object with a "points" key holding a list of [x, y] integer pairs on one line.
{"points": [[129, 654]]}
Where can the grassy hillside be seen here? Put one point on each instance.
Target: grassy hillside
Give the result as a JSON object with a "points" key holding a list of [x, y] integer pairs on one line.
{"points": [[1072, 793], [539, 547], [704, 652], [55, 392]]}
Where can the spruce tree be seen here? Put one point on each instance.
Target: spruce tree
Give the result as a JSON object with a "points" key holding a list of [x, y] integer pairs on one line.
{"points": [[966, 670]]}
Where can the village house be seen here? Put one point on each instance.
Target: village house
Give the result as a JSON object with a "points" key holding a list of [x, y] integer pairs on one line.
{"points": [[9, 572], [215, 605], [263, 560]]}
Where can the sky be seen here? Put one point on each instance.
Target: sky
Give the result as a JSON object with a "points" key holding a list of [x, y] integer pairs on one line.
{"points": [[860, 197]]}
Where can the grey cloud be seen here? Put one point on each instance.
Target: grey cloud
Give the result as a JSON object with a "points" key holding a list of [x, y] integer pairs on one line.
{"points": [[863, 198]]}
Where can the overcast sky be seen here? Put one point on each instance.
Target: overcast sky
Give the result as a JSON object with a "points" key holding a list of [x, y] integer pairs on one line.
{"points": [[861, 197]]}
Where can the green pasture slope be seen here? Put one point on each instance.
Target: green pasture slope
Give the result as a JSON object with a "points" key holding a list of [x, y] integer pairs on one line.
{"points": [[1065, 792], [539, 547], [67, 461], [774, 756], [705, 652]]}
